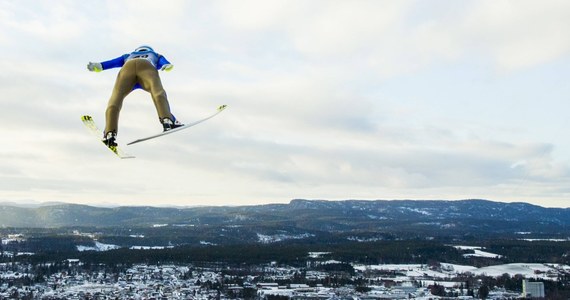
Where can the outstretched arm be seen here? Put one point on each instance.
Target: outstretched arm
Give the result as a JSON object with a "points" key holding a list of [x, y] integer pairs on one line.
{"points": [[164, 64], [109, 64]]}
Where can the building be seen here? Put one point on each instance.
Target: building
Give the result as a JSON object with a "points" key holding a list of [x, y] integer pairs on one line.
{"points": [[533, 289]]}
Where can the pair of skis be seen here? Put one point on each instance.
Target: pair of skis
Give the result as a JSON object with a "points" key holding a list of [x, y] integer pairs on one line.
{"points": [[92, 127]]}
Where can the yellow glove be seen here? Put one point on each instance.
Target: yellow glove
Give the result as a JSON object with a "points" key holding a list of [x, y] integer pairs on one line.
{"points": [[94, 67], [167, 67]]}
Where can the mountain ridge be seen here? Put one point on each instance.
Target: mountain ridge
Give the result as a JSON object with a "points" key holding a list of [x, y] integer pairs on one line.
{"points": [[296, 211]]}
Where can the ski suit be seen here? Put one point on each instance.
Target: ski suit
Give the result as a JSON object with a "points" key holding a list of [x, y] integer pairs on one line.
{"points": [[138, 70]]}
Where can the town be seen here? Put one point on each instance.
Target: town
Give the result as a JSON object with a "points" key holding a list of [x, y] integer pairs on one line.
{"points": [[72, 279], [302, 250]]}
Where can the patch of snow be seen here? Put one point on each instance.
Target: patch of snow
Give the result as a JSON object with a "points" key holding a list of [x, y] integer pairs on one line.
{"points": [[549, 240], [266, 239], [479, 253], [528, 270], [363, 240], [467, 247], [374, 217], [150, 247], [11, 240], [416, 210], [98, 247], [318, 254], [332, 261], [445, 270], [458, 269]]}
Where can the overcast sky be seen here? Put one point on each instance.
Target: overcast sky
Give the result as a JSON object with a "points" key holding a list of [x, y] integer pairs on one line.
{"points": [[326, 100]]}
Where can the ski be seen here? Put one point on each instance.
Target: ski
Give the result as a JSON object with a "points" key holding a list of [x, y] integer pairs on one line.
{"points": [[92, 127], [219, 110]]}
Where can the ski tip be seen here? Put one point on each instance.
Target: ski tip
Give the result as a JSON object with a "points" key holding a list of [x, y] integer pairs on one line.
{"points": [[222, 107]]}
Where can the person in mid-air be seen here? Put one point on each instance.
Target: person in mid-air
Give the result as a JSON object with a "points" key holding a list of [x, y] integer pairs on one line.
{"points": [[139, 69]]}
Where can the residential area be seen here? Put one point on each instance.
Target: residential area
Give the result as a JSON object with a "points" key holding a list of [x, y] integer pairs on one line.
{"points": [[323, 280]]}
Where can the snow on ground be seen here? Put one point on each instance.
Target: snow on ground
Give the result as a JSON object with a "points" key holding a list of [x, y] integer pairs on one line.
{"points": [[318, 254], [150, 247], [420, 270], [12, 254], [560, 267], [528, 270], [459, 247], [267, 239], [331, 261], [549, 240], [478, 252], [8, 241], [457, 269], [90, 287], [98, 247]]}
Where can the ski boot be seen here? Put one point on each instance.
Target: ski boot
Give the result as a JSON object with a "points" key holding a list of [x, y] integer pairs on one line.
{"points": [[110, 139], [169, 124]]}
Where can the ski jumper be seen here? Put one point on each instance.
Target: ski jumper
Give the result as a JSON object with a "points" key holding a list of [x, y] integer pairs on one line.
{"points": [[139, 69]]}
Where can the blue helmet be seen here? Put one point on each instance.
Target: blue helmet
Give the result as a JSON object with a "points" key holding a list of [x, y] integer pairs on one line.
{"points": [[144, 48]]}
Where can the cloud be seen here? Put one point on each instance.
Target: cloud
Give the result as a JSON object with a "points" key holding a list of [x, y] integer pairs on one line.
{"points": [[327, 99], [59, 21], [143, 22], [521, 34]]}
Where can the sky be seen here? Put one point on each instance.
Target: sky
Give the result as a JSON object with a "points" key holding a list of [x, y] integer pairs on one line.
{"points": [[327, 99]]}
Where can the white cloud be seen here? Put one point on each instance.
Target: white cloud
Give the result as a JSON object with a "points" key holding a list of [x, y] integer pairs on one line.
{"points": [[327, 99], [518, 34], [54, 22]]}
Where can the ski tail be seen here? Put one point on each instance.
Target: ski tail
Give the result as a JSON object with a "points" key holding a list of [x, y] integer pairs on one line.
{"points": [[92, 127]]}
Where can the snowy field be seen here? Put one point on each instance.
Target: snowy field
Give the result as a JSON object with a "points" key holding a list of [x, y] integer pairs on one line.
{"points": [[478, 252], [98, 247], [528, 270]]}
